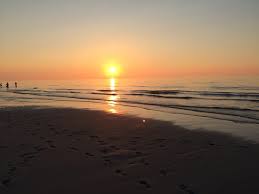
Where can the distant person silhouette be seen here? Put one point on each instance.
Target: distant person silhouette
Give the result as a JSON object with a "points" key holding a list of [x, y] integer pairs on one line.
{"points": [[15, 84], [7, 85], [1, 85]]}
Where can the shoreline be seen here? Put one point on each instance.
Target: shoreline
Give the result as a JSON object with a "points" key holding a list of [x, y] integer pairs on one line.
{"points": [[66, 150]]}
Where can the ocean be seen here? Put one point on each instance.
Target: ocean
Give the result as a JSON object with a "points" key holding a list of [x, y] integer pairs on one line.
{"points": [[229, 105]]}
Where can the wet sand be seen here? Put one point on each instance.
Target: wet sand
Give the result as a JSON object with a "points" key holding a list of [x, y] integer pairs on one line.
{"points": [[57, 150]]}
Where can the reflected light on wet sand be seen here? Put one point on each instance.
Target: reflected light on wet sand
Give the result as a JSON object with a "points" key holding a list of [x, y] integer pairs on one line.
{"points": [[114, 111]]}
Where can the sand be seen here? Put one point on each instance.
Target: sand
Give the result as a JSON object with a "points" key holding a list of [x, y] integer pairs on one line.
{"points": [[58, 150]]}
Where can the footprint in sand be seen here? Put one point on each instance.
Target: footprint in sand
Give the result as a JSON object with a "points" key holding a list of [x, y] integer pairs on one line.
{"points": [[162, 146], [132, 163], [102, 143], [12, 170], [3, 147], [107, 161], [185, 189], [143, 161], [94, 136], [120, 172], [114, 138], [6, 181], [89, 154], [11, 174], [138, 153], [160, 139], [50, 144], [163, 172], [73, 148], [39, 148], [28, 154], [145, 183], [114, 147], [105, 150]]}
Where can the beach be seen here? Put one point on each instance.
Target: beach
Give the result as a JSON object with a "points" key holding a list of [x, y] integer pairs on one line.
{"points": [[129, 97], [48, 150]]}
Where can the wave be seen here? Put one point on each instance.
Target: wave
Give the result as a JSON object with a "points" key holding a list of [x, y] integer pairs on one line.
{"points": [[183, 95], [205, 93], [192, 97], [247, 113], [160, 96], [159, 91], [230, 94], [235, 87], [109, 90], [105, 94]]}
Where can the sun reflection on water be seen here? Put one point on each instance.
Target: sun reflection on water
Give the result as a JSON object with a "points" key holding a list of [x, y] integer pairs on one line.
{"points": [[112, 84], [113, 98]]}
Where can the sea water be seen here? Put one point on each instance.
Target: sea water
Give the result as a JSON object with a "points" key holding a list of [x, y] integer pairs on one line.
{"points": [[229, 105]]}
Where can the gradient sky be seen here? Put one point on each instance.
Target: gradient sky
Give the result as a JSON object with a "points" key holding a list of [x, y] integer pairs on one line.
{"points": [[72, 39]]}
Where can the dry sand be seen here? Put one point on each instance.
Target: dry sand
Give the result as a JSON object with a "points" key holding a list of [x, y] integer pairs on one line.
{"points": [[52, 151]]}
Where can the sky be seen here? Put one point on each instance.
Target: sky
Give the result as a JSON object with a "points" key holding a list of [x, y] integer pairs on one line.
{"points": [[73, 39]]}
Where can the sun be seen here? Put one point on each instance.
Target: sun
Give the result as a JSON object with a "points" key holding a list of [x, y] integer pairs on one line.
{"points": [[112, 70]]}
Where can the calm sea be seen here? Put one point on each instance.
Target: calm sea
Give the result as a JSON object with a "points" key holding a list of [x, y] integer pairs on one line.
{"points": [[229, 105]]}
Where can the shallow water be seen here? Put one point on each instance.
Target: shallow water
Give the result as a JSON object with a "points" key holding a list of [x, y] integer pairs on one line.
{"points": [[228, 105]]}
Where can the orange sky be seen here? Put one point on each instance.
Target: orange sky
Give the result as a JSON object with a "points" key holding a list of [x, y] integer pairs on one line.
{"points": [[74, 39]]}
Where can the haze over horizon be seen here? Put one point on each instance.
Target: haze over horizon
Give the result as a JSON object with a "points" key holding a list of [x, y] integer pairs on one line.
{"points": [[65, 39]]}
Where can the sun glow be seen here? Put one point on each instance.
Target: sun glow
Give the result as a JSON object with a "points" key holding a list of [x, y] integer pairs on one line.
{"points": [[112, 70]]}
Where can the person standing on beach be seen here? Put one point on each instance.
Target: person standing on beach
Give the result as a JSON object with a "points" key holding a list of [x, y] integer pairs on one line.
{"points": [[15, 84], [7, 85], [1, 85]]}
